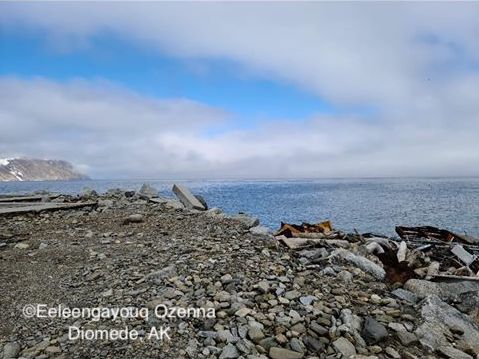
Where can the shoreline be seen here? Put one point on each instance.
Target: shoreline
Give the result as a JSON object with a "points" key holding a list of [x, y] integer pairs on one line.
{"points": [[328, 297]]}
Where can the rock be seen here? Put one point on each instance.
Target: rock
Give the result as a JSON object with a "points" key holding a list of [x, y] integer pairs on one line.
{"points": [[373, 331], [469, 304], [260, 230], [255, 334], [281, 353], [328, 271], [229, 352], [187, 198], [227, 278], [88, 194], [345, 276], [22, 245], [247, 220], [393, 353], [215, 213], [263, 287], [318, 329], [344, 346], [313, 344], [42, 246], [292, 294], [361, 262], [308, 299], [11, 350], [405, 295], [147, 191], [133, 218], [243, 312], [406, 338], [453, 353], [439, 318], [296, 345], [202, 200], [445, 291]]}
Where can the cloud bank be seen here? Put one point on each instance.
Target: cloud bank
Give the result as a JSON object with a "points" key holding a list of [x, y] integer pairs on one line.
{"points": [[415, 64]]}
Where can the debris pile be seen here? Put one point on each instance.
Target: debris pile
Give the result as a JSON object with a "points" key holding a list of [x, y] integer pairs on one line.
{"points": [[432, 269]]}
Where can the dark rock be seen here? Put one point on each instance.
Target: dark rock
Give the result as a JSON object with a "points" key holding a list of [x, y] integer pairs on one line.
{"points": [[373, 331]]}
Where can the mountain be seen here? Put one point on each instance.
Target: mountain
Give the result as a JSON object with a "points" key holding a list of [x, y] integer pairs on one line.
{"points": [[22, 169]]}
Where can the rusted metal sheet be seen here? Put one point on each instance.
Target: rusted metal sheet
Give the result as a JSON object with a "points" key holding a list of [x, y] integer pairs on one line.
{"points": [[293, 230]]}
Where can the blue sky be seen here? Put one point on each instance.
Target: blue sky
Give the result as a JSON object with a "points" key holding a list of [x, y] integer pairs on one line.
{"points": [[215, 81], [162, 89]]}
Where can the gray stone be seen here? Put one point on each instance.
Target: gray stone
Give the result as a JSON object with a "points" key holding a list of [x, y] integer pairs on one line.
{"points": [[313, 344], [453, 353], [11, 350], [313, 253], [405, 295], [281, 353], [393, 353], [345, 276], [373, 331], [344, 346], [247, 220], [318, 329], [22, 245], [405, 337], [229, 352], [296, 345], [260, 230], [445, 291], [308, 299], [361, 262], [255, 334], [147, 191], [292, 294], [187, 198], [439, 318]]}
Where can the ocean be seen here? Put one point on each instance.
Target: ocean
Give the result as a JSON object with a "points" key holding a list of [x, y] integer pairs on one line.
{"points": [[368, 205]]}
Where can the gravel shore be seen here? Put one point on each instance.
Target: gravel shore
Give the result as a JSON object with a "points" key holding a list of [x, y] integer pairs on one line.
{"points": [[222, 290]]}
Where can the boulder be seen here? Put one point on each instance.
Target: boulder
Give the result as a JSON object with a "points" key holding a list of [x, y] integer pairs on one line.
{"points": [[187, 198], [439, 319], [361, 262], [147, 191]]}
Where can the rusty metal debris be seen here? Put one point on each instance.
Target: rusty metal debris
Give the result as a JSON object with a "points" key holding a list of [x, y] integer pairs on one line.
{"points": [[305, 230], [421, 252]]}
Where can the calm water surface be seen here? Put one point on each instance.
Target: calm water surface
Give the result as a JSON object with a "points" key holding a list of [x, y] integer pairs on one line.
{"points": [[369, 205]]}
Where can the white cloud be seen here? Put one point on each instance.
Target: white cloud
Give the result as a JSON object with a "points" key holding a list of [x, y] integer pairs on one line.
{"points": [[115, 133], [416, 63]]}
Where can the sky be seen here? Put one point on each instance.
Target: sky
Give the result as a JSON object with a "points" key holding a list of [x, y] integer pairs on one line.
{"points": [[242, 90]]}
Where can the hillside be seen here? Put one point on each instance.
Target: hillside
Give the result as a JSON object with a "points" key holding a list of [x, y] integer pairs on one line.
{"points": [[21, 169]]}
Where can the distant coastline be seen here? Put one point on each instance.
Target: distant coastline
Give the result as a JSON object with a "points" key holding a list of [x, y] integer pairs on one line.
{"points": [[24, 169]]}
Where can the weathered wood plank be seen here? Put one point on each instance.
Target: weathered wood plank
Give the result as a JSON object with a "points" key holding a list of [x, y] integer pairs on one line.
{"points": [[40, 207], [16, 198]]}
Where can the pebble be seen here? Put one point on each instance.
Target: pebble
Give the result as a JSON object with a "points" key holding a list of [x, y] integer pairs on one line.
{"points": [[344, 346], [11, 350], [229, 352]]}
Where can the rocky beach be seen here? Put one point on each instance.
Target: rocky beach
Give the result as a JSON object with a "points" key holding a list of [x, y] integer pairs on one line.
{"points": [[214, 285]]}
